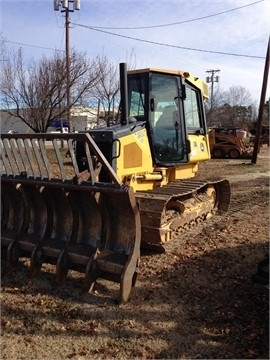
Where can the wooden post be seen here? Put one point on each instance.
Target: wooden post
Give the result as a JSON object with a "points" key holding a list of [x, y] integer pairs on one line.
{"points": [[260, 115]]}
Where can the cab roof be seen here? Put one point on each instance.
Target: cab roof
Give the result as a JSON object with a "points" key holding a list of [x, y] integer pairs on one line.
{"points": [[199, 83]]}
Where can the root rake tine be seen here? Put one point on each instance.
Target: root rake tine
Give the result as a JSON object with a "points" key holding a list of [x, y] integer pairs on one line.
{"points": [[71, 224]]}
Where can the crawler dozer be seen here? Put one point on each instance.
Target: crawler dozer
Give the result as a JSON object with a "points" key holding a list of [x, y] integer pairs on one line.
{"points": [[156, 149], [126, 186]]}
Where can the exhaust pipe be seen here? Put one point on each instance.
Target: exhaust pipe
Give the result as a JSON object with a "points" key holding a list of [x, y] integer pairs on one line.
{"points": [[123, 93]]}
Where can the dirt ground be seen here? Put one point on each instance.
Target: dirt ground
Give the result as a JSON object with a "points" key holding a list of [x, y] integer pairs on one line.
{"points": [[196, 301]]}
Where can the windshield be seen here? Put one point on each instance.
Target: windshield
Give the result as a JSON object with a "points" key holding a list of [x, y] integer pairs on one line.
{"points": [[154, 98]]}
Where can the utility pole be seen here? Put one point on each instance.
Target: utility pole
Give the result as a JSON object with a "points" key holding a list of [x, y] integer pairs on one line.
{"points": [[256, 148], [67, 7], [212, 79]]}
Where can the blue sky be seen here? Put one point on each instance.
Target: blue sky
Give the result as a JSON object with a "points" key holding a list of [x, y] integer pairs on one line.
{"points": [[242, 28]]}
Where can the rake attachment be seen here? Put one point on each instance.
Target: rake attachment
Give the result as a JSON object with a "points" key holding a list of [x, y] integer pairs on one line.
{"points": [[53, 213]]}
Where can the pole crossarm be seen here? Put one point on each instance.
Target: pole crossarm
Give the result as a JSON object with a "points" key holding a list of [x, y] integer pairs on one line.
{"points": [[211, 79]]}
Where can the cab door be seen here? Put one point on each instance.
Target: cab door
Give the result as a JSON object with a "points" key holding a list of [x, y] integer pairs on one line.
{"points": [[169, 137], [195, 124]]}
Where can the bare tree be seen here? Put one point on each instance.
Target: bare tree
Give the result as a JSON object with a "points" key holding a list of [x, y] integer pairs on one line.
{"points": [[237, 96], [232, 108], [37, 93], [212, 106], [237, 105], [2, 47], [106, 91]]}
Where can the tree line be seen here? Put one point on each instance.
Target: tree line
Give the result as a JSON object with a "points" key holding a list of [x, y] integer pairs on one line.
{"points": [[36, 91], [234, 108]]}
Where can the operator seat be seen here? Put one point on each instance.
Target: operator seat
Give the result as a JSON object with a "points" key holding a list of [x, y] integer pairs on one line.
{"points": [[165, 126], [168, 141], [167, 117]]}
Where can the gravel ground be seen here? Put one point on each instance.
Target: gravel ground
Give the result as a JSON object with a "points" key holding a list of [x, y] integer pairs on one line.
{"points": [[196, 301]]}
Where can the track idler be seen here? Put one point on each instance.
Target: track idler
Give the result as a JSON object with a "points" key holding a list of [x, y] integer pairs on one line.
{"points": [[61, 217]]}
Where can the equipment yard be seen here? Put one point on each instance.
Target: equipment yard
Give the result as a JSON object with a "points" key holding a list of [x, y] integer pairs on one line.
{"points": [[197, 300]]}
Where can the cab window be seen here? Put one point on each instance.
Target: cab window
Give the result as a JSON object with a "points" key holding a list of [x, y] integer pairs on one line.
{"points": [[191, 110]]}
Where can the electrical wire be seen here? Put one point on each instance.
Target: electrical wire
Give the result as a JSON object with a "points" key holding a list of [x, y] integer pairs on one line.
{"points": [[176, 23], [169, 45], [35, 46], [100, 29]]}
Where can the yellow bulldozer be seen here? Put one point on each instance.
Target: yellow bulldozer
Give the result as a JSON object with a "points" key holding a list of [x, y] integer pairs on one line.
{"points": [[126, 186]]}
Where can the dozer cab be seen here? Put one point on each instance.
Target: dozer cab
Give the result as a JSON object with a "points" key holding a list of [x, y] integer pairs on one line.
{"points": [[125, 186]]}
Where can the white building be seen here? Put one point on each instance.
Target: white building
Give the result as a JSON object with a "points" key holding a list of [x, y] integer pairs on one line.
{"points": [[82, 118]]}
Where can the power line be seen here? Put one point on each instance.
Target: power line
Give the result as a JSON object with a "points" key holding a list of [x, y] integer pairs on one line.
{"points": [[169, 45], [35, 46], [176, 23]]}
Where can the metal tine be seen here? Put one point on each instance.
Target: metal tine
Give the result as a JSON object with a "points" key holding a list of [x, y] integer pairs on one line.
{"points": [[45, 158], [72, 156], [104, 161], [10, 156], [1, 161], [90, 163], [38, 158], [6, 168], [22, 151], [29, 152], [14, 149], [60, 160]]}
